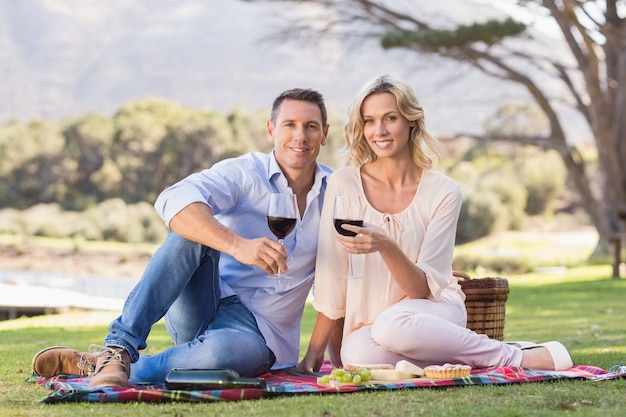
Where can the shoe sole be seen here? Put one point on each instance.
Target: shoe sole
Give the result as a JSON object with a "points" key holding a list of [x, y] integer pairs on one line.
{"points": [[108, 385]]}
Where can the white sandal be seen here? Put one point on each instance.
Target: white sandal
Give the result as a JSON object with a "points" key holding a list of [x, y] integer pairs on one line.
{"points": [[560, 355]]}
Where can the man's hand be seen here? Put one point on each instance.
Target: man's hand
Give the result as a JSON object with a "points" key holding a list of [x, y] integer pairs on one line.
{"points": [[197, 223], [267, 254]]}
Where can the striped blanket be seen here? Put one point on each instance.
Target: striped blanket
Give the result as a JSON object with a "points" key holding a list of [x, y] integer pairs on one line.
{"points": [[73, 388]]}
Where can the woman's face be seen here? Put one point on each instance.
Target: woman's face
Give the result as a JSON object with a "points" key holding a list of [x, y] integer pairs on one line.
{"points": [[385, 129]]}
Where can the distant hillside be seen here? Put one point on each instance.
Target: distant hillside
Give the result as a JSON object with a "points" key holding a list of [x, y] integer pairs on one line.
{"points": [[64, 58]]}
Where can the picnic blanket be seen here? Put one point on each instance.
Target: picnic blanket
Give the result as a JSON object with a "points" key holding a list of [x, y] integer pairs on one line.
{"points": [[73, 388]]}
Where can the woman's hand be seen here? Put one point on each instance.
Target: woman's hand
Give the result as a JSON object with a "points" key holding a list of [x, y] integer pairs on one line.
{"points": [[314, 356], [369, 239], [310, 363]]}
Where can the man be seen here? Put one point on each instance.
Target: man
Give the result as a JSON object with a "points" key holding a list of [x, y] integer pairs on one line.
{"points": [[210, 277]]}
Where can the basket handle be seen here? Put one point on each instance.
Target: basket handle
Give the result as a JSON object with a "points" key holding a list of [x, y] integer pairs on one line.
{"points": [[460, 274]]}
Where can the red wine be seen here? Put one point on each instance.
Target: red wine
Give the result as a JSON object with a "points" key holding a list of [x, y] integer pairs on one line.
{"points": [[281, 226], [342, 231]]}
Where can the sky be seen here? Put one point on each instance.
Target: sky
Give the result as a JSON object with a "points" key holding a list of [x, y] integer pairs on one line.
{"points": [[64, 58]]}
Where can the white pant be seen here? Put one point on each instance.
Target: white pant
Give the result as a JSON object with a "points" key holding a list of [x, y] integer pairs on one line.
{"points": [[425, 333]]}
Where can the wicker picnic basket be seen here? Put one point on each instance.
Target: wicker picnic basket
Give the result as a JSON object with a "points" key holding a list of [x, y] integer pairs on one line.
{"points": [[485, 302]]}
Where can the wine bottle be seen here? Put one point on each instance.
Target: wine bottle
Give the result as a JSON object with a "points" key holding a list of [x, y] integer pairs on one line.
{"points": [[209, 379]]}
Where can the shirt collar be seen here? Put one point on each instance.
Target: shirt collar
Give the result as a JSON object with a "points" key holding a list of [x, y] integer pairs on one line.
{"points": [[276, 176], [273, 169]]}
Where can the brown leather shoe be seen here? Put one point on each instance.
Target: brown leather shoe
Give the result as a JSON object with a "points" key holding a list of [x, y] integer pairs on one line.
{"points": [[59, 360], [112, 368]]}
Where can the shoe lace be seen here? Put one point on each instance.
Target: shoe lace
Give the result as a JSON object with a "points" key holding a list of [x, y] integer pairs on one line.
{"points": [[111, 356], [86, 365]]}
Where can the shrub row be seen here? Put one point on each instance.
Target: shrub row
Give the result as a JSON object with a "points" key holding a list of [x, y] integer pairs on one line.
{"points": [[111, 220]]}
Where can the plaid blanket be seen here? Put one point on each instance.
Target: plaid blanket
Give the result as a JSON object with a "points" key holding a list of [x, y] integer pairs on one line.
{"points": [[73, 388]]}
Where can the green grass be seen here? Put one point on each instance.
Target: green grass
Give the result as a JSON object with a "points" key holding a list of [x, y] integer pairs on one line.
{"points": [[584, 308]]}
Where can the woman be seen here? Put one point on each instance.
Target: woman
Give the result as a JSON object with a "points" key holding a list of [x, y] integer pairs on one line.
{"points": [[407, 305]]}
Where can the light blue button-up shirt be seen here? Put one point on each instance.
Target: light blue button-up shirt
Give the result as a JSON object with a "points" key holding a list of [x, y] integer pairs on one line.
{"points": [[237, 190]]}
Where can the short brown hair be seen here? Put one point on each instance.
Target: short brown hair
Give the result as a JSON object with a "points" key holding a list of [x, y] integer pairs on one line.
{"points": [[300, 94]]}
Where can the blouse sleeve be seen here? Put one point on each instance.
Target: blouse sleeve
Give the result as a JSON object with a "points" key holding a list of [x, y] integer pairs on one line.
{"points": [[437, 249]]}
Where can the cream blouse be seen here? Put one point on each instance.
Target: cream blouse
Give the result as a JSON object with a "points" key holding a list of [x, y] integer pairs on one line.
{"points": [[425, 231]]}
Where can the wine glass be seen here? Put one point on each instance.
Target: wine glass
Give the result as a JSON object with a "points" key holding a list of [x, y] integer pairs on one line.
{"points": [[282, 219], [348, 210]]}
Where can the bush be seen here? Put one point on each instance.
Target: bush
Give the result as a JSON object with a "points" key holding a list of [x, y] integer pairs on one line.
{"points": [[11, 222], [485, 265], [111, 220], [48, 220], [135, 223], [154, 230], [87, 228], [494, 199], [512, 195], [482, 213], [544, 176]]}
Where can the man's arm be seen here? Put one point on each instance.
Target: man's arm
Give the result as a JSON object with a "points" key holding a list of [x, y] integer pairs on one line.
{"points": [[197, 223]]}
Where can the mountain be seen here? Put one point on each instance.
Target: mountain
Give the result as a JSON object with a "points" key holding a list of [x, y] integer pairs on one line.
{"points": [[64, 58]]}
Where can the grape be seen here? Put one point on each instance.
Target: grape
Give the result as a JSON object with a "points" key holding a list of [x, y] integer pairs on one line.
{"points": [[339, 375], [365, 374]]}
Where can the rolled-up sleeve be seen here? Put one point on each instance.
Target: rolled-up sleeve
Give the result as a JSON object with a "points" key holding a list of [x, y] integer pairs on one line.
{"points": [[217, 188], [172, 200], [437, 249]]}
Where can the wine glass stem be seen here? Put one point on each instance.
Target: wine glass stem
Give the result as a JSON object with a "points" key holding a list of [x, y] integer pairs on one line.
{"points": [[280, 273], [350, 272]]}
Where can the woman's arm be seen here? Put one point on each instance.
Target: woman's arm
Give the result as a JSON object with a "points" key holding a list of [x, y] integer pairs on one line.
{"points": [[430, 273], [409, 277], [371, 239], [334, 343], [314, 356]]}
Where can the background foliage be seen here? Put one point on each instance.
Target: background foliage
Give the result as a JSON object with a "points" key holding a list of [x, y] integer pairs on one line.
{"points": [[95, 178]]}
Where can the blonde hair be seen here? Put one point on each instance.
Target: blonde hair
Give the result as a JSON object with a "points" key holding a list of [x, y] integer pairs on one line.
{"points": [[422, 145]]}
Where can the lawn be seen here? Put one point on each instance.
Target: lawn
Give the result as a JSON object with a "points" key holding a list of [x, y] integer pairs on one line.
{"points": [[583, 307]]}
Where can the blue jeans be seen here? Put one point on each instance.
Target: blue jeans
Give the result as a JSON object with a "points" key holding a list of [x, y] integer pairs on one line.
{"points": [[181, 282]]}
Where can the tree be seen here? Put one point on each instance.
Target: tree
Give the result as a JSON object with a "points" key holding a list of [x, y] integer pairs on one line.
{"points": [[30, 166], [87, 145], [590, 75]]}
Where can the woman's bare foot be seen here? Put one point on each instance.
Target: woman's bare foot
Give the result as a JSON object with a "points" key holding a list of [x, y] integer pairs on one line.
{"points": [[550, 356], [537, 358]]}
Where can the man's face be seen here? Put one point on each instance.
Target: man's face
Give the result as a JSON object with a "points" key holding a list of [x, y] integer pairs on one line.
{"points": [[297, 135]]}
